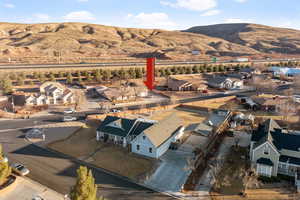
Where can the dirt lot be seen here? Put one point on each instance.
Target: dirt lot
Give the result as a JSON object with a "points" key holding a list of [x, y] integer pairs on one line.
{"points": [[83, 145], [188, 117]]}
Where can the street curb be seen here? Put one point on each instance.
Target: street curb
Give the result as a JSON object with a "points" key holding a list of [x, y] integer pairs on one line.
{"points": [[81, 162]]}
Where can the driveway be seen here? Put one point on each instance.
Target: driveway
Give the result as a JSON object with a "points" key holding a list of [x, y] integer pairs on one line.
{"points": [[171, 173]]}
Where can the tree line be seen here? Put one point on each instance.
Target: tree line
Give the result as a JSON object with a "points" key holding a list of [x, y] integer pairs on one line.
{"points": [[103, 75]]}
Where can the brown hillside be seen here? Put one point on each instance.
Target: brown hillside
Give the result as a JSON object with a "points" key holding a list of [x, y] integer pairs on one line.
{"points": [[258, 37], [89, 40]]}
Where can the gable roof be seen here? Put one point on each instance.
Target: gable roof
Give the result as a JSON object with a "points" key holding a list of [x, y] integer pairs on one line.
{"points": [[270, 131], [163, 130], [116, 126], [123, 126]]}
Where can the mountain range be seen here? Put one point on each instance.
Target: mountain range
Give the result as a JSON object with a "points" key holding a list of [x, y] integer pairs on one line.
{"points": [[81, 40]]}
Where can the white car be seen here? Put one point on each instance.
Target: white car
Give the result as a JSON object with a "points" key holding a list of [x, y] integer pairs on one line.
{"points": [[20, 169], [69, 118], [69, 110]]}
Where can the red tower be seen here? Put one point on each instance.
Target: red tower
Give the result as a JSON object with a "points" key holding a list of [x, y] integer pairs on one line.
{"points": [[150, 74]]}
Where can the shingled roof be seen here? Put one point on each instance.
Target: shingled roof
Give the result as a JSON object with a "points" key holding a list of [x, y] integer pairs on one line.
{"points": [[123, 126], [163, 130], [270, 131]]}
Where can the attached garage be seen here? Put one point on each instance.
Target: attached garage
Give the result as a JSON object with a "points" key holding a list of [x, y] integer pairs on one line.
{"points": [[264, 167]]}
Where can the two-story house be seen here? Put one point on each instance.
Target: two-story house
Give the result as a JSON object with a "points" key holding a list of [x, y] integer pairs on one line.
{"points": [[274, 150]]}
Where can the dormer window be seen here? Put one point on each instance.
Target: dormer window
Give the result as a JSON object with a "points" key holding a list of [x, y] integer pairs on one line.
{"points": [[144, 137]]}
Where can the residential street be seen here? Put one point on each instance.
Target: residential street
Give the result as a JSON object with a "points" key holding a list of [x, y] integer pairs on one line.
{"points": [[58, 172]]}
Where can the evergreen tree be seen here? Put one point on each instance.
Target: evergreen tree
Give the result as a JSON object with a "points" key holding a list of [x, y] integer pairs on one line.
{"points": [[20, 80], [98, 76], [89, 77], [85, 188], [52, 77], [138, 73], [5, 169], [42, 77], [69, 78], [107, 75], [61, 74], [6, 85]]}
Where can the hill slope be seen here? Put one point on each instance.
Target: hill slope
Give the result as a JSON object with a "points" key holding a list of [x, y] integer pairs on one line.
{"points": [[258, 37], [75, 40], [79, 39]]}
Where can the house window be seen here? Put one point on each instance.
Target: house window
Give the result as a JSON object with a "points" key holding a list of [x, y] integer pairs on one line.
{"points": [[266, 150], [150, 150], [144, 137], [138, 147]]}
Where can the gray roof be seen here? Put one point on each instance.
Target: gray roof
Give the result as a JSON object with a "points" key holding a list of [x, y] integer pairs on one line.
{"points": [[270, 131], [122, 126], [265, 161], [204, 129], [163, 130]]}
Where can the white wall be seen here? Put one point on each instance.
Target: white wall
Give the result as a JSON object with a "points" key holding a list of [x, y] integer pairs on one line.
{"points": [[144, 144]]}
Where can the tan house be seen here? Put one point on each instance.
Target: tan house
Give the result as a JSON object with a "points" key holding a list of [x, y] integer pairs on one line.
{"points": [[176, 84], [275, 151]]}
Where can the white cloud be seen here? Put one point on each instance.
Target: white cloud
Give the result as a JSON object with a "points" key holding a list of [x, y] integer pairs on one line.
{"points": [[152, 20], [79, 16], [211, 13], [9, 5], [241, 1], [196, 5], [41, 17], [237, 20]]}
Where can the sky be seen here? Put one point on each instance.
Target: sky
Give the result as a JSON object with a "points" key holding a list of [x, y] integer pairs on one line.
{"points": [[163, 14]]}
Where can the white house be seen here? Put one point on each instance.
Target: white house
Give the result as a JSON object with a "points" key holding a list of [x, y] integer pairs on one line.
{"points": [[147, 138], [223, 82], [155, 140]]}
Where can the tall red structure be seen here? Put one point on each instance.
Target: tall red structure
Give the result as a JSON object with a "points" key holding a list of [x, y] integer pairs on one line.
{"points": [[150, 74]]}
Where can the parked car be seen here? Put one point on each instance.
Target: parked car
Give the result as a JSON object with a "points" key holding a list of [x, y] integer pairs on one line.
{"points": [[69, 111], [69, 118], [115, 111], [10, 180], [20, 169], [37, 198]]}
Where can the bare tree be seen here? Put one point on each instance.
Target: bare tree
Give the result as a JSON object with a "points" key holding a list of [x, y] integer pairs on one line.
{"points": [[80, 99]]}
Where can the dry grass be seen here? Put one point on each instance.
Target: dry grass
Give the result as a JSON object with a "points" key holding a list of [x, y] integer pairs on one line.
{"points": [[230, 179], [81, 143], [187, 117], [120, 161], [260, 194]]}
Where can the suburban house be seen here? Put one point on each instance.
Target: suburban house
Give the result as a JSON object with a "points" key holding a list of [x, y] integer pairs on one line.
{"points": [[275, 151], [116, 94], [273, 104], [176, 84], [50, 93], [222, 82], [36, 100], [144, 137], [214, 124]]}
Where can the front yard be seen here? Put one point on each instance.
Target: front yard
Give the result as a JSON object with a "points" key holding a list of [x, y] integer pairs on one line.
{"points": [[83, 145]]}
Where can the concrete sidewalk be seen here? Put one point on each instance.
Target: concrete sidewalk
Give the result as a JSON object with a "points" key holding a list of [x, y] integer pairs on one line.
{"points": [[27, 189]]}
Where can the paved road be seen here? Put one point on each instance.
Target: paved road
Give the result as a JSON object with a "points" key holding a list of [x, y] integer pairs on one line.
{"points": [[58, 172], [131, 63]]}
